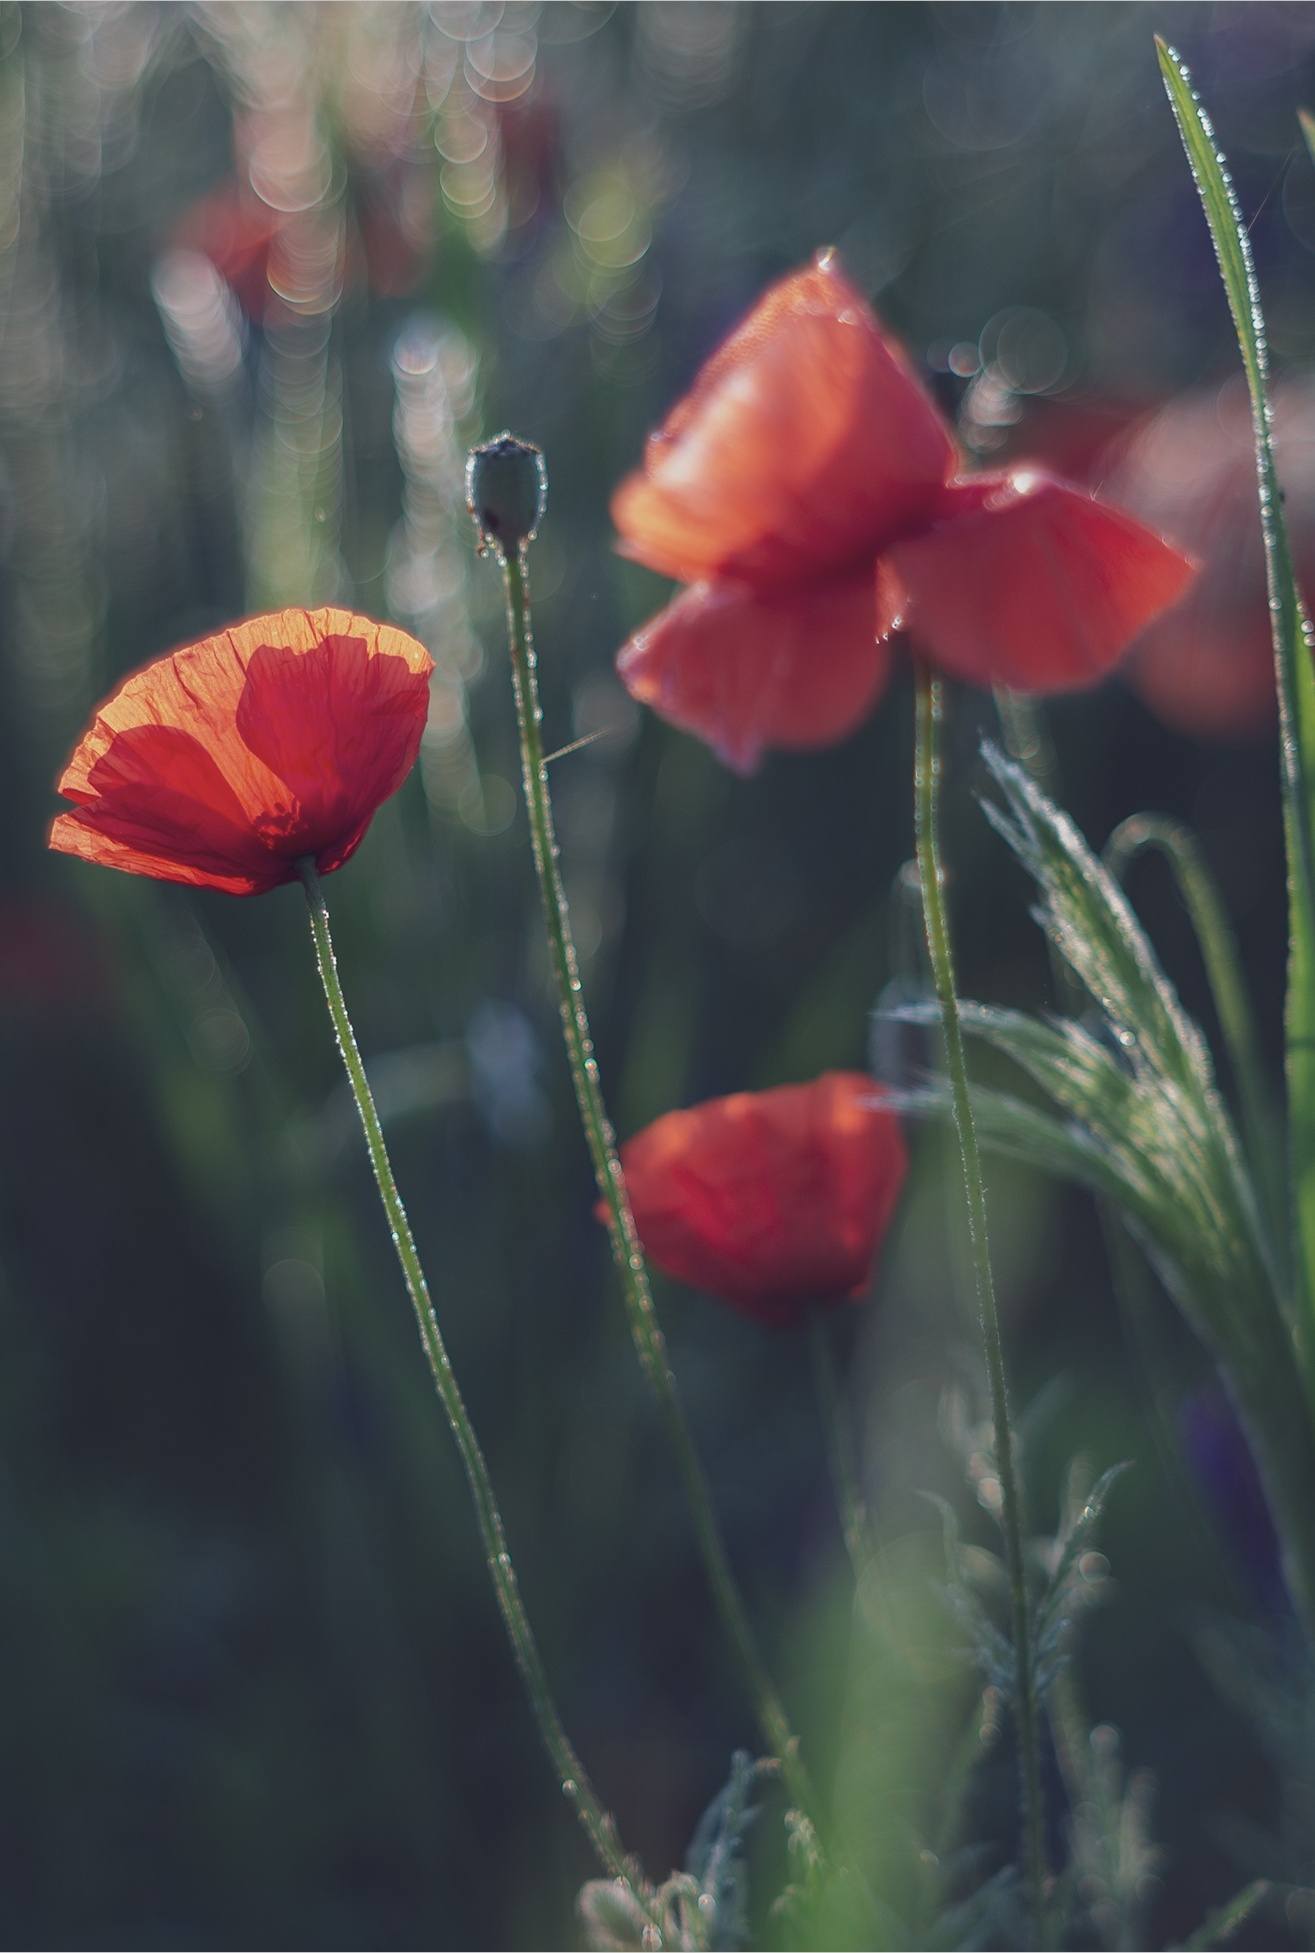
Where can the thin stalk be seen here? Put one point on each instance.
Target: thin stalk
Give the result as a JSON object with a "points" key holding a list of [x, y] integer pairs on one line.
{"points": [[850, 1502], [645, 1329], [598, 1823], [1026, 1706]]}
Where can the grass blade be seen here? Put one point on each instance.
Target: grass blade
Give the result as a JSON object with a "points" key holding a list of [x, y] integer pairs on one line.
{"points": [[1295, 674]]}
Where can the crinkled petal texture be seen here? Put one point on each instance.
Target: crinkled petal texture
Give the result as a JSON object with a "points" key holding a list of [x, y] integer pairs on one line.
{"points": [[744, 670], [1027, 582], [806, 441], [226, 762], [774, 1201]]}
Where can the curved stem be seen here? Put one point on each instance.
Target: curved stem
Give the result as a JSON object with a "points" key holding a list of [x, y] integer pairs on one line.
{"points": [[1026, 1707], [599, 1825], [645, 1329], [1223, 968]]}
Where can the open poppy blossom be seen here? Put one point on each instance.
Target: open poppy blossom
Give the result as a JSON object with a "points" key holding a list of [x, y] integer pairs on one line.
{"points": [[774, 1201], [226, 762], [808, 490]]}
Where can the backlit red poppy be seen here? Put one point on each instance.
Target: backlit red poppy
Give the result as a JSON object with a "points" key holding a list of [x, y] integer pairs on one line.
{"points": [[226, 762], [774, 1201], [808, 490]]}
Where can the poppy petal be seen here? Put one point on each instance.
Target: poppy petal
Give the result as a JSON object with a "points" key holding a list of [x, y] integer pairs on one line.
{"points": [[340, 727], [773, 1201], [224, 762], [805, 442], [1025, 581], [157, 794], [744, 671]]}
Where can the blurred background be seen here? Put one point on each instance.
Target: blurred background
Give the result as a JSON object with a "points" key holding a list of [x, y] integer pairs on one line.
{"points": [[265, 271]]}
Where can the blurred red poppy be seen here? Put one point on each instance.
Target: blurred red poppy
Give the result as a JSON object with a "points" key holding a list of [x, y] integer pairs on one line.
{"points": [[224, 763], [1208, 667], [774, 1201], [237, 231], [807, 488], [259, 251]]}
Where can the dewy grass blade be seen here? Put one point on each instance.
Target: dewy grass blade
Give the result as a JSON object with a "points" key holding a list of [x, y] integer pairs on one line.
{"points": [[1218, 946], [1295, 675]]}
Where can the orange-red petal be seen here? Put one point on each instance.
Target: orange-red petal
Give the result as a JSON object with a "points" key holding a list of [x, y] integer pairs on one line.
{"points": [[222, 763], [774, 1201], [745, 670], [1025, 581], [806, 441]]}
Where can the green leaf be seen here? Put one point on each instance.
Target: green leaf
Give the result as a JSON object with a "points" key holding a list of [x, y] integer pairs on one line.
{"points": [[716, 1854], [1227, 1920], [1071, 1546], [1295, 673]]}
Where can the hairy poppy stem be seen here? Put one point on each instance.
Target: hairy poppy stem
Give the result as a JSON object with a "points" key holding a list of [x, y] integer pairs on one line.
{"points": [[645, 1329], [598, 1823], [1026, 1707]]}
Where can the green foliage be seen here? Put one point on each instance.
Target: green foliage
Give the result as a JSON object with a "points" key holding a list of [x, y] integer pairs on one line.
{"points": [[1292, 657], [1226, 1921], [716, 1855], [1110, 1878], [705, 1907], [1067, 1589], [1131, 1110]]}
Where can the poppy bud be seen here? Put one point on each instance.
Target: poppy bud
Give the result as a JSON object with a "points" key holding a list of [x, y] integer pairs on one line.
{"points": [[506, 489]]}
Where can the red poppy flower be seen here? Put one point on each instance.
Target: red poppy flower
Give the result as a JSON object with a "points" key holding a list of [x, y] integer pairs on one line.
{"points": [[774, 1201], [226, 762], [807, 489]]}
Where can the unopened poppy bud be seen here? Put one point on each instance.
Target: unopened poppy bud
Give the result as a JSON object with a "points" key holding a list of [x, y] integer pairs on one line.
{"points": [[506, 489]]}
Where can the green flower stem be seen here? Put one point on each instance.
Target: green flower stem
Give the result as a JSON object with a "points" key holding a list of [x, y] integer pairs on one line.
{"points": [[599, 1825], [1026, 1707], [645, 1329], [850, 1502]]}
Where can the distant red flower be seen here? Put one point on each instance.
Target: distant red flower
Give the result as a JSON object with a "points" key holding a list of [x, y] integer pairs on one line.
{"points": [[224, 763], [1207, 669], [237, 231], [807, 489], [255, 248], [773, 1201]]}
